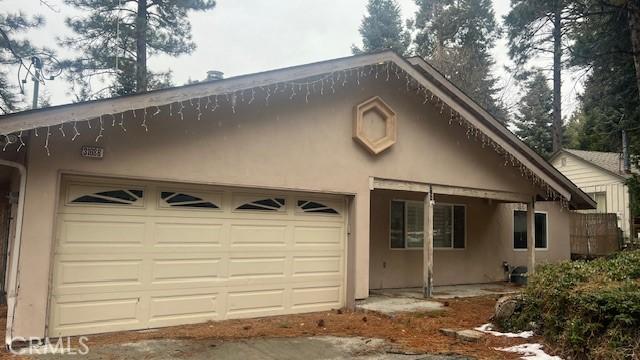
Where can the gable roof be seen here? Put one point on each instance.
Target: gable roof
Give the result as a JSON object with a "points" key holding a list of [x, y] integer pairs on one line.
{"points": [[610, 162], [415, 68]]}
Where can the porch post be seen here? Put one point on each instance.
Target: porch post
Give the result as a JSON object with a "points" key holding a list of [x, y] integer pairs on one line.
{"points": [[531, 236], [427, 256]]}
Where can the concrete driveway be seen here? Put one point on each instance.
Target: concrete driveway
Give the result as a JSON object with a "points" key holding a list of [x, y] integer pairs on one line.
{"points": [[307, 348]]}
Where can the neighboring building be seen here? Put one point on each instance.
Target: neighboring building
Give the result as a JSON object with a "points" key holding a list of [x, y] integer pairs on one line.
{"points": [[287, 191], [602, 176]]}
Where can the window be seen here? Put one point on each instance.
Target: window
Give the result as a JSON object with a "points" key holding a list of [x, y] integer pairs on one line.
{"points": [[315, 207], [407, 225], [121, 197], [174, 199], [270, 204], [520, 230], [601, 199]]}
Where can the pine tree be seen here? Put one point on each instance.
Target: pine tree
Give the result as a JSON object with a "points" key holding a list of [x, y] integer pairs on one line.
{"points": [[456, 37], [116, 36], [533, 119], [382, 29], [12, 50], [538, 27], [602, 45]]}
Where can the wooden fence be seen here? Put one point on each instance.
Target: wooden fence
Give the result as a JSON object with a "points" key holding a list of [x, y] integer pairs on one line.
{"points": [[594, 235]]}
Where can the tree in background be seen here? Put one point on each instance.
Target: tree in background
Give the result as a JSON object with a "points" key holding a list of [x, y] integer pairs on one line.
{"points": [[382, 29], [12, 51], [533, 119], [456, 37], [602, 46], [536, 28], [116, 36]]}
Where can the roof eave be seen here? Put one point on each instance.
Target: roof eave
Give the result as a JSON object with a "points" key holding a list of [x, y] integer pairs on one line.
{"points": [[415, 67]]}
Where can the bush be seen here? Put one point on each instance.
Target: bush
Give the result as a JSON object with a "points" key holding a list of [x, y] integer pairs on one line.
{"points": [[589, 309]]}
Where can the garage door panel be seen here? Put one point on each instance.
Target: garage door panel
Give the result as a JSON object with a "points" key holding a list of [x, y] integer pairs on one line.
{"points": [[319, 236], [317, 265], [245, 235], [181, 308], [185, 269], [96, 275], [260, 302], [89, 314], [160, 263], [187, 235], [101, 232], [254, 266], [316, 296]]}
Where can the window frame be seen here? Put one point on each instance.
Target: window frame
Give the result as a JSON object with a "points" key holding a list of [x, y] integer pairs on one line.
{"points": [[214, 197], [513, 228], [595, 194], [405, 248], [139, 203]]}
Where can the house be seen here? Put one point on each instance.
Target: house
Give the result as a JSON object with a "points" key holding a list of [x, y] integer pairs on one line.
{"points": [[286, 191], [602, 176]]}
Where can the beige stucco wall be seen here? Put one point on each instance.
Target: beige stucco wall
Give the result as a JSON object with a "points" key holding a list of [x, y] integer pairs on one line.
{"points": [[286, 145], [489, 242]]}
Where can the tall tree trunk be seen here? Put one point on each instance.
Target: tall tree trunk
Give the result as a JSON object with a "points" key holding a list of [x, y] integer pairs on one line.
{"points": [[557, 81], [634, 29], [141, 47]]}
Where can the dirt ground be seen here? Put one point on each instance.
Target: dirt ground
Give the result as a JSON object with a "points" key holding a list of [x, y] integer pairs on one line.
{"points": [[413, 331]]}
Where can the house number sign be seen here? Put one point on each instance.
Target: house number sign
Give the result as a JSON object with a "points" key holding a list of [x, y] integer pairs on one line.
{"points": [[94, 152]]}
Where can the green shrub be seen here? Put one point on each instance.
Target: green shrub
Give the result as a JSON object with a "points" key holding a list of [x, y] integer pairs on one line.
{"points": [[589, 309]]}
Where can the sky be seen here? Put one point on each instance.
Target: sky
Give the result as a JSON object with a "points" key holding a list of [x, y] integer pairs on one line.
{"points": [[246, 36]]}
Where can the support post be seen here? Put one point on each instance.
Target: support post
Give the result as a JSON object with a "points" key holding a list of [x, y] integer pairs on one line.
{"points": [[427, 257], [531, 236]]}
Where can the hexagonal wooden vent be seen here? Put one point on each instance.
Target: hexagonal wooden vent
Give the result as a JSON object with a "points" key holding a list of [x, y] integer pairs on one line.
{"points": [[374, 125]]}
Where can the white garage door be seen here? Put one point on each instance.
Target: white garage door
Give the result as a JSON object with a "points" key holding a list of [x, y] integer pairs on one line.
{"points": [[134, 255]]}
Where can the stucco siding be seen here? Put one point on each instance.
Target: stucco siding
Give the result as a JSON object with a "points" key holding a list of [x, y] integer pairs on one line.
{"points": [[489, 242], [287, 145]]}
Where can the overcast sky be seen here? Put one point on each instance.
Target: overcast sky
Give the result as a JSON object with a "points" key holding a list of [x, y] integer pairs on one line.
{"points": [[246, 36]]}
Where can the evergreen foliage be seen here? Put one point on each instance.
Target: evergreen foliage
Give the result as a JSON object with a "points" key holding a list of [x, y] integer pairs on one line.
{"points": [[538, 28], [533, 120], [588, 309], [382, 29], [456, 37], [609, 103], [12, 50], [114, 38]]}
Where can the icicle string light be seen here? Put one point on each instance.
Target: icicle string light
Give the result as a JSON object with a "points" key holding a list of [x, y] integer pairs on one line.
{"points": [[22, 144], [322, 85]]}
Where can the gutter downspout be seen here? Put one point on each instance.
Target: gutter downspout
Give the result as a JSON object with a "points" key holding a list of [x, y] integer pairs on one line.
{"points": [[12, 292]]}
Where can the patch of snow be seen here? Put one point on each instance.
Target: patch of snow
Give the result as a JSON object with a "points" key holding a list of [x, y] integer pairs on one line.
{"points": [[530, 352], [488, 329]]}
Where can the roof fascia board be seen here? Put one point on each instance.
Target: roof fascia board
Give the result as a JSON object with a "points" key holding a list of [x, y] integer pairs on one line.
{"points": [[91, 110]]}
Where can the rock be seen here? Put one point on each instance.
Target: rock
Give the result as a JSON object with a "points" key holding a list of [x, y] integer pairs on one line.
{"points": [[448, 332], [469, 335], [321, 323], [506, 306]]}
